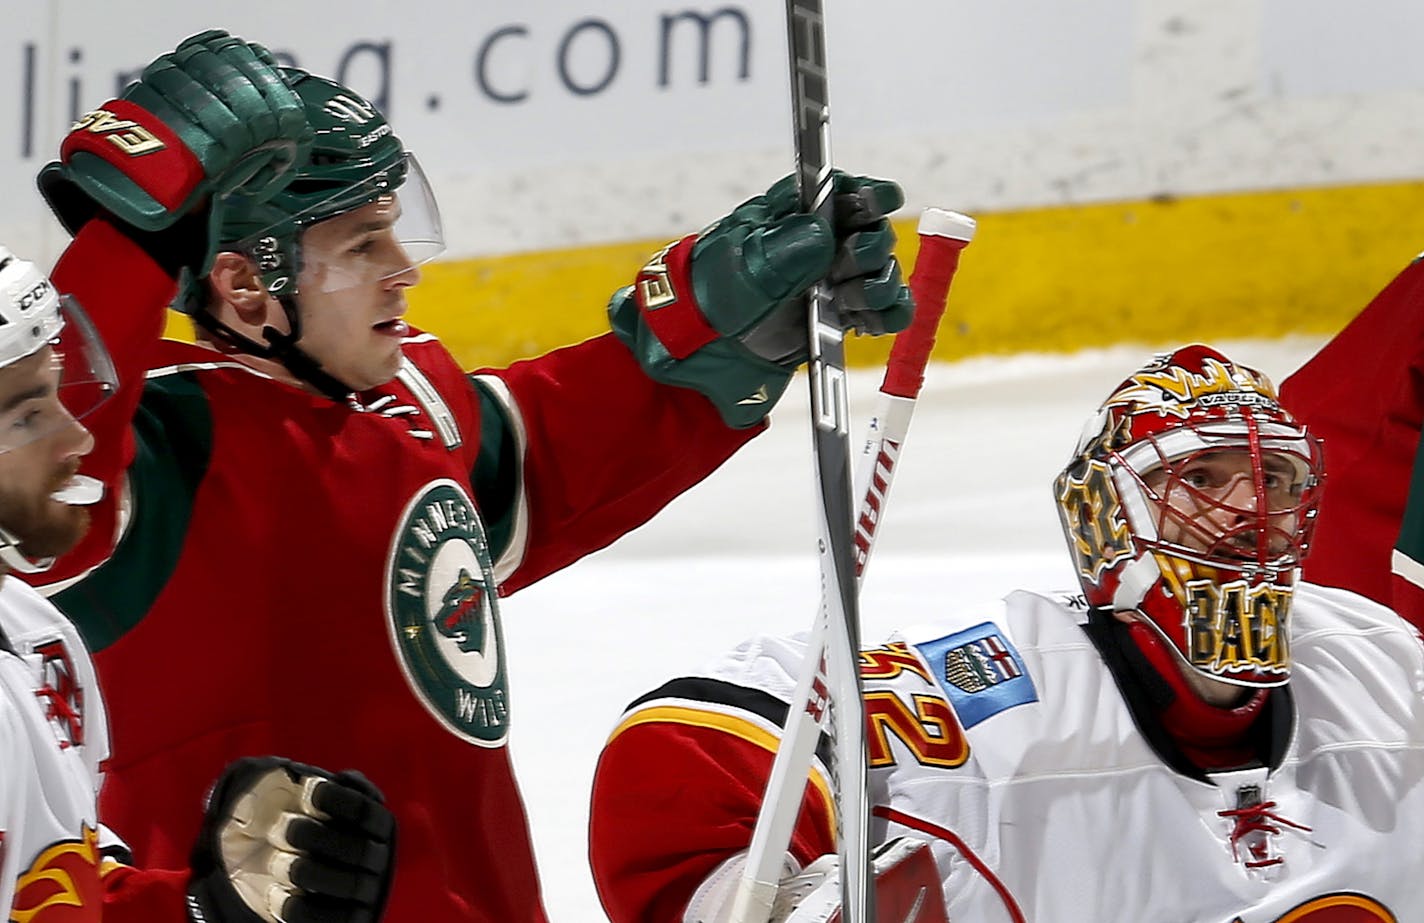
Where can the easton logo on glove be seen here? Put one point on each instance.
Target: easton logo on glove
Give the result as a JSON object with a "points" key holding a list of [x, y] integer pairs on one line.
{"points": [[125, 134], [654, 284], [677, 322]]}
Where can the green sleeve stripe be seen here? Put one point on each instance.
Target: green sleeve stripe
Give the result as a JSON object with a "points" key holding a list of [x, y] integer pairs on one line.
{"points": [[1411, 533], [496, 475], [173, 444]]}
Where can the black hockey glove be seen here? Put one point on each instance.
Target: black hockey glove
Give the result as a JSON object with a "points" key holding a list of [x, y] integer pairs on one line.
{"points": [[287, 842]]}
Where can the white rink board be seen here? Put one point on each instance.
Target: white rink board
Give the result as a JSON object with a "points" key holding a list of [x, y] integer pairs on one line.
{"points": [[566, 122]]}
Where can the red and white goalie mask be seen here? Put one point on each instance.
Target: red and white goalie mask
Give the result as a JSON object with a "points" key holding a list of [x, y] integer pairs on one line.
{"points": [[1190, 500]]}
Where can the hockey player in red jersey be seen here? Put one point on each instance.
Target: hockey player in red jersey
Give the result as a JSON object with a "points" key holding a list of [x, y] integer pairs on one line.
{"points": [[279, 841], [322, 508], [1364, 394], [1251, 747]]}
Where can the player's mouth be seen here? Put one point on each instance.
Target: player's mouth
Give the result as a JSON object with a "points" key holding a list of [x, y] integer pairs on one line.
{"points": [[79, 490], [71, 487], [394, 327]]}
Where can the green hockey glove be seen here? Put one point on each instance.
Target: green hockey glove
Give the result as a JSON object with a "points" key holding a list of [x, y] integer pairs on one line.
{"points": [[721, 311], [213, 118]]}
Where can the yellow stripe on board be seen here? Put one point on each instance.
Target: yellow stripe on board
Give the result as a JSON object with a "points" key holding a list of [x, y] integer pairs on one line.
{"points": [[1259, 264]]}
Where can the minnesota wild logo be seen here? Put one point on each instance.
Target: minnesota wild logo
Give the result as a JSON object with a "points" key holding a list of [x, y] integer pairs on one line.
{"points": [[444, 614]]}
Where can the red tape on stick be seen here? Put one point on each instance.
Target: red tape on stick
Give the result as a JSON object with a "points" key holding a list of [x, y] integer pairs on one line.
{"points": [[943, 236]]}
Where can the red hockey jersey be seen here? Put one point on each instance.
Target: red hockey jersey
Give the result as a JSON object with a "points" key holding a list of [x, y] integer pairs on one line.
{"points": [[287, 574], [1363, 394]]}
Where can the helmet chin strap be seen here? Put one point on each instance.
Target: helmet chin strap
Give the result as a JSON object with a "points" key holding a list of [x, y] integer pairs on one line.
{"points": [[283, 348], [15, 559]]}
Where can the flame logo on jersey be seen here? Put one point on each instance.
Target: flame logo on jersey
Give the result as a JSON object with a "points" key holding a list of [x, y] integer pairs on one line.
{"points": [[1176, 390], [1337, 908], [62, 884]]}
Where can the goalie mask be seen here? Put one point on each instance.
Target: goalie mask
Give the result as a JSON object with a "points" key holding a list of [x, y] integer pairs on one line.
{"points": [[1190, 500], [57, 386]]}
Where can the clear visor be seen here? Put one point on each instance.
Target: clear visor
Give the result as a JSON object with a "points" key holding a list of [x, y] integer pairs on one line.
{"points": [[380, 228], [57, 385], [394, 231]]}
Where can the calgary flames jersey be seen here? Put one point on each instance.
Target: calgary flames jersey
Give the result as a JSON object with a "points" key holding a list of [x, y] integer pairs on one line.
{"points": [[320, 580], [1002, 737], [52, 740], [57, 862]]}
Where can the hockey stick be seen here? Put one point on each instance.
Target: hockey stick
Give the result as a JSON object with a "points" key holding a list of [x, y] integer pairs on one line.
{"points": [[830, 435], [943, 235]]}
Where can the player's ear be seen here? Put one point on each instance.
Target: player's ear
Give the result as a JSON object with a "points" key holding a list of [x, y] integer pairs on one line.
{"points": [[235, 281]]}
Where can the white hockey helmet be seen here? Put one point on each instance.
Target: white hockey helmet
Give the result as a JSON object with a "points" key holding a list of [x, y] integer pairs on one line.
{"points": [[29, 309], [32, 317]]}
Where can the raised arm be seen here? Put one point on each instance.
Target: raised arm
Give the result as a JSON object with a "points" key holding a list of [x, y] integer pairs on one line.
{"points": [[141, 182], [588, 442]]}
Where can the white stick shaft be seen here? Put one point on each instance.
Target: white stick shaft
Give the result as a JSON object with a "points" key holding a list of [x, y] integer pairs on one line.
{"points": [[789, 777], [790, 768]]}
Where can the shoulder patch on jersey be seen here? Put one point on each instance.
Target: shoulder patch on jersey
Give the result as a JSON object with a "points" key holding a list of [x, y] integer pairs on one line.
{"points": [[981, 672]]}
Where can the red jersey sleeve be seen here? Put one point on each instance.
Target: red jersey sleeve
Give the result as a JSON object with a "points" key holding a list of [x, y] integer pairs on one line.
{"points": [[134, 895], [675, 794], [1363, 394], [126, 294], [604, 449]]}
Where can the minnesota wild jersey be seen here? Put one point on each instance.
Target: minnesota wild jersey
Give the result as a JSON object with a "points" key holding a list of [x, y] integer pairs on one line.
{"points": [[1005, 739], [1362, 395], [282, 573]]}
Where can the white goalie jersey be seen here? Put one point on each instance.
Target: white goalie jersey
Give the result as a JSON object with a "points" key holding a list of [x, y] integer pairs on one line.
{"points": [[1002, 738], [53, 738]]}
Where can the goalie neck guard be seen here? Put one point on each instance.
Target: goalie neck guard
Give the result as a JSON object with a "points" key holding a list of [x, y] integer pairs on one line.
{"points": [[1190, 500]]}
